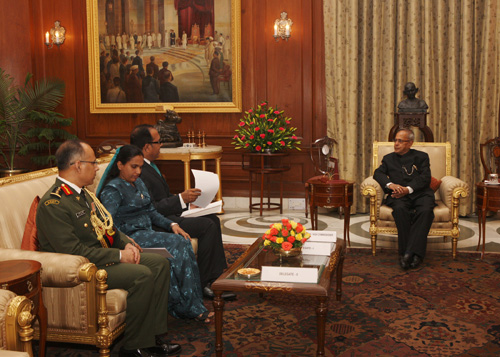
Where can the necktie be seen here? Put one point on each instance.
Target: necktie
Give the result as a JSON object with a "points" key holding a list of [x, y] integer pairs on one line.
{"points": [[153, 165], [84, 197]]}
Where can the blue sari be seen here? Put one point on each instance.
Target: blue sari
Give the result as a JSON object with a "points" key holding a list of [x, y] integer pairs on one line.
{"points": [[134, 214]]}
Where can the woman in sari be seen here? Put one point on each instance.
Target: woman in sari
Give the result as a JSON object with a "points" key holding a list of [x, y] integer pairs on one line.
{"points": [[127, 199]]}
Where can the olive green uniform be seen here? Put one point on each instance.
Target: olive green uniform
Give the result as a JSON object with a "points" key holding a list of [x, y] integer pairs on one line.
{"points": [[63, 223]]}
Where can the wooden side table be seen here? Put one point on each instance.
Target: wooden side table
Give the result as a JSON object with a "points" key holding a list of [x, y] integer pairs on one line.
{"points": [[23, 278], [265, 164], [334, 193], [186, 155], [487, 199]]}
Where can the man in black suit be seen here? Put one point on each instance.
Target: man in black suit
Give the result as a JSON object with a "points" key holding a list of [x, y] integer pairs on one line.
{"points": [[405, 175], [211, 258]]}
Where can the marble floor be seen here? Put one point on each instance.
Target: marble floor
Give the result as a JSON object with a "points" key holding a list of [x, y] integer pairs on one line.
{"points": [[239, 226]]}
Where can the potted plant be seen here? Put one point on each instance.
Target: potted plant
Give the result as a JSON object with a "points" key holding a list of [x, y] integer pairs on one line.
{"points": [[265, 129], [18, 107]]}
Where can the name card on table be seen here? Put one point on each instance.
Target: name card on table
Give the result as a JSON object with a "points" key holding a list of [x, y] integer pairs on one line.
{"points": [[323, 236], [317, 248], [289, 274]]}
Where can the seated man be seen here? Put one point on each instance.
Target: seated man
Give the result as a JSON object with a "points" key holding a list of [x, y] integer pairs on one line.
{"points": [[406, 175], [211, 258], [70, 220]]}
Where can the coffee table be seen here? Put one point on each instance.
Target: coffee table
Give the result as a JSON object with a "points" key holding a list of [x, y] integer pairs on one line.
{"points": [[256, 257]]}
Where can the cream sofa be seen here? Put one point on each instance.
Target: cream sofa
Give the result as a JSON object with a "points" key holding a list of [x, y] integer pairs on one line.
{"points": [[80, 308], [16, 333]]}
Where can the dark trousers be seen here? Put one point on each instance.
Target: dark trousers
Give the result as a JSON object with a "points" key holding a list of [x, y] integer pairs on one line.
{"points": [[147, 284], [211, 257], [413, 220]]}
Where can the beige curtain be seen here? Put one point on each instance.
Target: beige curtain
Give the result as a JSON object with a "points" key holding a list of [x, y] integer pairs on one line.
{"points": [[449, 48]]}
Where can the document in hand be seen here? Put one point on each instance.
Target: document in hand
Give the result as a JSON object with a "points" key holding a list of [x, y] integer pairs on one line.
{"points": [[212, 208], [208, 183]]}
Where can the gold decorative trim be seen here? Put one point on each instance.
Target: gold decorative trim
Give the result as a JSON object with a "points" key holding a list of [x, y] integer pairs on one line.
{"points": [[40, 173], [268, 286]]}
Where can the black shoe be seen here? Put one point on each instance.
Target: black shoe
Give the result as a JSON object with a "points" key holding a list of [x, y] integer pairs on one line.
{"points": [[404, 261], [138, 352], [415, 263], [209, 294], [165, 347], [228, 296]]}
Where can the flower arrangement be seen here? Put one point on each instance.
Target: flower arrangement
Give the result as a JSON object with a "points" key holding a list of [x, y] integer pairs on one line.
{"points": [[285, 235], [265, 129]]}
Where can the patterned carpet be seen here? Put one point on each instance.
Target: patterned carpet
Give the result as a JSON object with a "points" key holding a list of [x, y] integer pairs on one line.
{"points": [[444, 308]]}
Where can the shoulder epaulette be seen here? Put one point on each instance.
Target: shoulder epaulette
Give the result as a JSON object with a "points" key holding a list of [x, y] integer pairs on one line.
{"points": [[56, 192], [67, 191]]}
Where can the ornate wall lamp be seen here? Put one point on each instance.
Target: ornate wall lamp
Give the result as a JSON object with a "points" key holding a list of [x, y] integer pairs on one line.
{"points": [[282, 27], [57, 35]]}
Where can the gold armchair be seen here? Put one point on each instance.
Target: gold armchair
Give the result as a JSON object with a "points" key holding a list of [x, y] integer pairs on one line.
{"points": [[447, 196]]}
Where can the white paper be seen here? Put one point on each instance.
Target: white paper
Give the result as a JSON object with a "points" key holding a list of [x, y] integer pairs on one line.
{"points": [[212, 208], [289, 274], [208, 183], [162, 251], [322, 236], [318, 248]]}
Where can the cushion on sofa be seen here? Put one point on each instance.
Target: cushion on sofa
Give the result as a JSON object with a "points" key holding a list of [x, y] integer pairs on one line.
{"points": [[435, 183], [30, 238]]}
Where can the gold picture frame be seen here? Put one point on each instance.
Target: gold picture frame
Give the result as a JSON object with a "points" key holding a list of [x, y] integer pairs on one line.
{"points": [[98, 14]]}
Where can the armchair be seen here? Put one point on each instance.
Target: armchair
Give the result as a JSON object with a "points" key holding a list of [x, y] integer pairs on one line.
{"points": [[447, 195], [490, 157]]}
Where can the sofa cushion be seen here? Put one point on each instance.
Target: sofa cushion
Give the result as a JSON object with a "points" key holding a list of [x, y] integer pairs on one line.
{"points": [[435, 183], [30, 237]]}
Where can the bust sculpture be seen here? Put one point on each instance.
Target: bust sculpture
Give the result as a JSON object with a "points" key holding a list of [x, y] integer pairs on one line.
{"points": [[169, 135], [412, 104]]}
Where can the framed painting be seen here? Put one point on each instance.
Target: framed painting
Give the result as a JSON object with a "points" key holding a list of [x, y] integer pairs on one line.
{"points": [[147, 56]]}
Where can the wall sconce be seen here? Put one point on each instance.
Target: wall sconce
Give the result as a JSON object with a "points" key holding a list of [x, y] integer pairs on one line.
{"points": [[57, 35], [282, 27]]}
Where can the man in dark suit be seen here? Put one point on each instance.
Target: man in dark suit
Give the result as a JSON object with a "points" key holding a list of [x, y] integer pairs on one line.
{"points": [[65, 226], [211, 258], [405, 175]]}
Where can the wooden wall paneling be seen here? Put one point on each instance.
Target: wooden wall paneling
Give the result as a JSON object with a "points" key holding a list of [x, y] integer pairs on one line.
{"points": [[285, 73], [16, 40]]}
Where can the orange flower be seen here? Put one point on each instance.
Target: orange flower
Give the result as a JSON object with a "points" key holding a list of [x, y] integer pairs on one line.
{"points": [[291, 239], [284, 232], [286, 246]]}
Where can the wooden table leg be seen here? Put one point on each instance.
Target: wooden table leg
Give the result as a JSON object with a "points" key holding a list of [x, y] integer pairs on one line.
{"points": [[347, 219], [481, 215], [204, 165], [251, 189], [338, 287], [42, 320], [218, 309], [321, 312], [187, 175], [281, 193], [218, 196], [261, 191]]}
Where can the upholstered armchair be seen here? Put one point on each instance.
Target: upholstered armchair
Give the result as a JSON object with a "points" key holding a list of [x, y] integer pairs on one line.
{"points": [[448, 195], [16, 333]]}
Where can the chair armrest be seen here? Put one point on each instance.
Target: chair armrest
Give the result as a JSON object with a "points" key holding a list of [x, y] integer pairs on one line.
{"points": [[370, 187], [452, 187], [58, 270]]}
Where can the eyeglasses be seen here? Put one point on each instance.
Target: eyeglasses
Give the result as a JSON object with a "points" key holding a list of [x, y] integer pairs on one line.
{"points": [[156, 142], [89, 162], [399, 141]]}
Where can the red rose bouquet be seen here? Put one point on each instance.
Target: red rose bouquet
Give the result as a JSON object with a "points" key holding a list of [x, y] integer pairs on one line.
{"points": [[285, 235], [265, 129]]}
